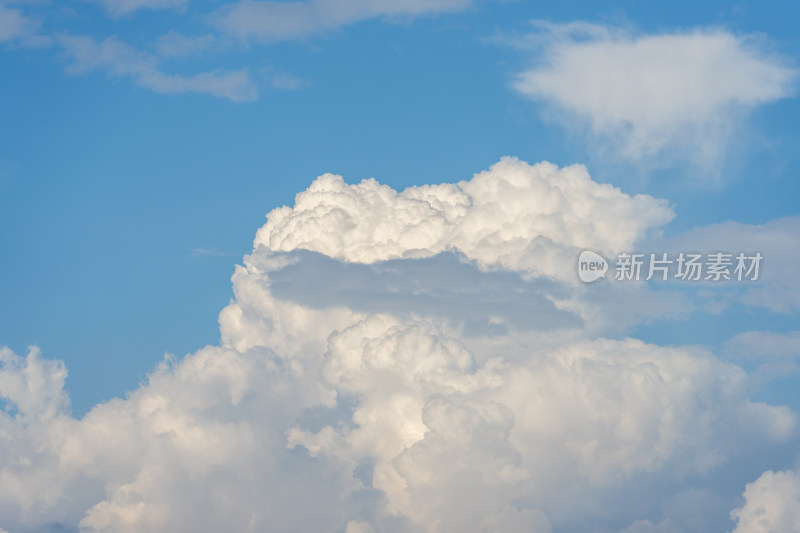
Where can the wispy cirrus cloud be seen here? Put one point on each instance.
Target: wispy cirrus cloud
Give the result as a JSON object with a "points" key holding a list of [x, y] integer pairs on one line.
{"points": [[14, 24], [682, 95], [174, 44], [764, 344], [118, 59], [270, 21], [264, 21], [777, 240], [208, 252], [118, 8], [20, 27]]}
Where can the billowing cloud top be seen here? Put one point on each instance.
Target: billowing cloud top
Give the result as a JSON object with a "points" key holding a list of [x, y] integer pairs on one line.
{"points": [[515, 216], [375, 373]]}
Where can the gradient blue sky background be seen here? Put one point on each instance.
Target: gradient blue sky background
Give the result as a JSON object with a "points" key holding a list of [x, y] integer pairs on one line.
{"points": [[387, 358], [123, 210]]}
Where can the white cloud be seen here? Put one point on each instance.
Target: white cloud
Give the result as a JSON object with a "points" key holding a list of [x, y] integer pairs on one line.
{"points": [[14, 24], [679, 94], [765, 344], [776, 355], [323, 411], [531, 219], [778, 286], [176, 45], [278, 21], [646, 526], [772, 504], [526, 218], [358, 527], [118, 59], [118, 8], [283, 80], [205, 252]]}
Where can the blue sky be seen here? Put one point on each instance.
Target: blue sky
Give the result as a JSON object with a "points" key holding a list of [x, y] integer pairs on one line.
{"points": [[108, 187], [143, 143]]}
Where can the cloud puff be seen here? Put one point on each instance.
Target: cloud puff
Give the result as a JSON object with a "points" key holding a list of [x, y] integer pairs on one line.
{"points": [[279, 21], [674, 93], [772, 504], [118, 59], [323, 409]]}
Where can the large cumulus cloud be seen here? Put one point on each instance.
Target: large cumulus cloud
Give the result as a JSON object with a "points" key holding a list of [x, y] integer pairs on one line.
{"points": [[406, 361]]}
